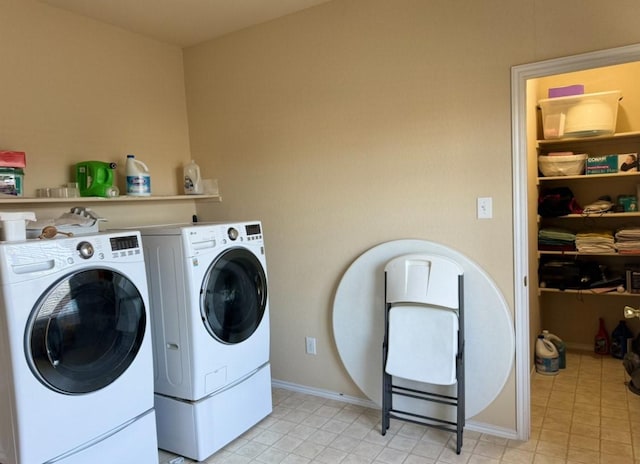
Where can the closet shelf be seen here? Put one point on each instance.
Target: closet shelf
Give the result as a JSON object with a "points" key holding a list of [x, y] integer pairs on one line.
{"points": [[587, 291], [578, 253], [594, 216], [587, 177], [546, 143]]}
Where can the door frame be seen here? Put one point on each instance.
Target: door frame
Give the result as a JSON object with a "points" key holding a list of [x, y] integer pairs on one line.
{"points": [[519, 76]]}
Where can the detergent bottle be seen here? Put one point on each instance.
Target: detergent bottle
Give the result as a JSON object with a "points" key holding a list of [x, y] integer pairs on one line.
{"points": [[95, 178], [546, 357], [619, 339], [192, 179], [138, 177], [560, 346]]}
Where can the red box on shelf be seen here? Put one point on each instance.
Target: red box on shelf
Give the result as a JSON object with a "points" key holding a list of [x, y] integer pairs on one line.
{"points": [[13, 159]]}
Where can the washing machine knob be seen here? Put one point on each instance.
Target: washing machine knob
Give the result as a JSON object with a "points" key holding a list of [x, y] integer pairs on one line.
{"points": [[233, 233], [85, 249]]}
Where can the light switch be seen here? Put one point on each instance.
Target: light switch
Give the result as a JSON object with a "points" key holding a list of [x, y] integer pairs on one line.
{"points": [[485, 207]]}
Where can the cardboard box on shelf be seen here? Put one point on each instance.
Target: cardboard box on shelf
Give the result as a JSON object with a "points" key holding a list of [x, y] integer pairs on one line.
{"points": [[628, 163], [607, 164], [625, 163]]}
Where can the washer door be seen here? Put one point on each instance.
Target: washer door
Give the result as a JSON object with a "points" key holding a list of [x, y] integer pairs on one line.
{"points": [[233, 297], [85, 331]]}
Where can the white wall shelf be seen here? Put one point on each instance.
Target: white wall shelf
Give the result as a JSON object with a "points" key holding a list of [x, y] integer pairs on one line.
{"points": [[14, 201]]}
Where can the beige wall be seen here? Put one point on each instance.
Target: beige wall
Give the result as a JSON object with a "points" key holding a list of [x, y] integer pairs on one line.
{"points": [[350, 125], [73, 89], [359, 122], [340, 127]]}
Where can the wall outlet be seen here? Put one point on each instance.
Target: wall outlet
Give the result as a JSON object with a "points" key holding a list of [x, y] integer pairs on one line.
{"points": [[310, 345]]}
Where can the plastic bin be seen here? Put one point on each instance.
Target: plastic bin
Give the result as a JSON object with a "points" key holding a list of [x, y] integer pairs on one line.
{"points": [[584, 115]]}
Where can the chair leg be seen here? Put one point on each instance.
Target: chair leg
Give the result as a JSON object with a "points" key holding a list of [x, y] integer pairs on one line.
{"points": [[460, 409], [386, 402]]}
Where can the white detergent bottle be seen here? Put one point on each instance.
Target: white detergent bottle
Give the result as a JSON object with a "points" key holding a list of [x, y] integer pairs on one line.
{"points": [[192, 179], [560, 346], [138, 177], [547, 359]]}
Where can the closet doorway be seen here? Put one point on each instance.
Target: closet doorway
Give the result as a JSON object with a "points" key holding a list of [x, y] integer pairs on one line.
{"points": [[524, 134]]}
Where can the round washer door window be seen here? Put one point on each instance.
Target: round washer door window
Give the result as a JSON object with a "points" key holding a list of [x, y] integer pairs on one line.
{"points": [[85, 331], [233, 298]]}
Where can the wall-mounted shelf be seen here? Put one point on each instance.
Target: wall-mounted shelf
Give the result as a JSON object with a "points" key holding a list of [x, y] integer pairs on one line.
{"points": [[14, 201]]}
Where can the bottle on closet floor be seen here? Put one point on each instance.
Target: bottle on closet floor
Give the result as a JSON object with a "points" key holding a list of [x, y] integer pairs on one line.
{"points": [[619, 339], [560, 346], [546, 357], [601, 340]]}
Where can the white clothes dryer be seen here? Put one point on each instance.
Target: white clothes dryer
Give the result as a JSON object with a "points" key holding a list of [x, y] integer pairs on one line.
{"points": [[210, 314], [75, 352]]}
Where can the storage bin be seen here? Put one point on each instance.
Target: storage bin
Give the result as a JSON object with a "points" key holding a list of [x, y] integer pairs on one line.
{"points": [[562, 165], [584, 115]]}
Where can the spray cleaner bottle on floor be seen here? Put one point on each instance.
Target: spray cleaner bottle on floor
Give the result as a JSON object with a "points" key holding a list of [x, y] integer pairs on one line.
{"points": [[138, 177]]}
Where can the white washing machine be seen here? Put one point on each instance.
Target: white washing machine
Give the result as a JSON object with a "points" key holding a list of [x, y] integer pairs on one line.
{"points": [[210, 314], [76, 367]]}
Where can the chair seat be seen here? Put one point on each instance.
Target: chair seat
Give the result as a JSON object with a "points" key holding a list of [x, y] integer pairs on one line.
{"points": [[423, 344]]}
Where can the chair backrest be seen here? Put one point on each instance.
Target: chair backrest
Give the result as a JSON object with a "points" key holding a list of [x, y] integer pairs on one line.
{"points": [[423, 278]]}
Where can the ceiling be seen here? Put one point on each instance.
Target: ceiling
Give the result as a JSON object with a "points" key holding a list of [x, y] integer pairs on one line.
{"points": [[183, 22]]}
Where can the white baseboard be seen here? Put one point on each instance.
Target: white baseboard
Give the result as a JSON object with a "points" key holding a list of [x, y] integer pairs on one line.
{"points": [[324, 394], [472, 425]]}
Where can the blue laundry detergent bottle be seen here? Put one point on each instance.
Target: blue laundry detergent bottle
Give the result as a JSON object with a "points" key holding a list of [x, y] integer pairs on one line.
{"points": [[560, 346]]}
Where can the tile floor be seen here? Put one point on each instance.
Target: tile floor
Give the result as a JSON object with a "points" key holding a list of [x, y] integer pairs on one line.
{"points": [[585, 414]]}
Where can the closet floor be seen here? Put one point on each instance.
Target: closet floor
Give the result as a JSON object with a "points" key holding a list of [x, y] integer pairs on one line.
{"points": [[585, 414]]}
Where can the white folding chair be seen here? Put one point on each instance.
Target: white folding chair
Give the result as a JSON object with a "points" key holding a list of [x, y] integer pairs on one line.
{"points": [[424, 338]]}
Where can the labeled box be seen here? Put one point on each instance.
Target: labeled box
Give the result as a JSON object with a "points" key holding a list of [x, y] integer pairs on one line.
{"points": [[607, 164], [624, 163]]}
